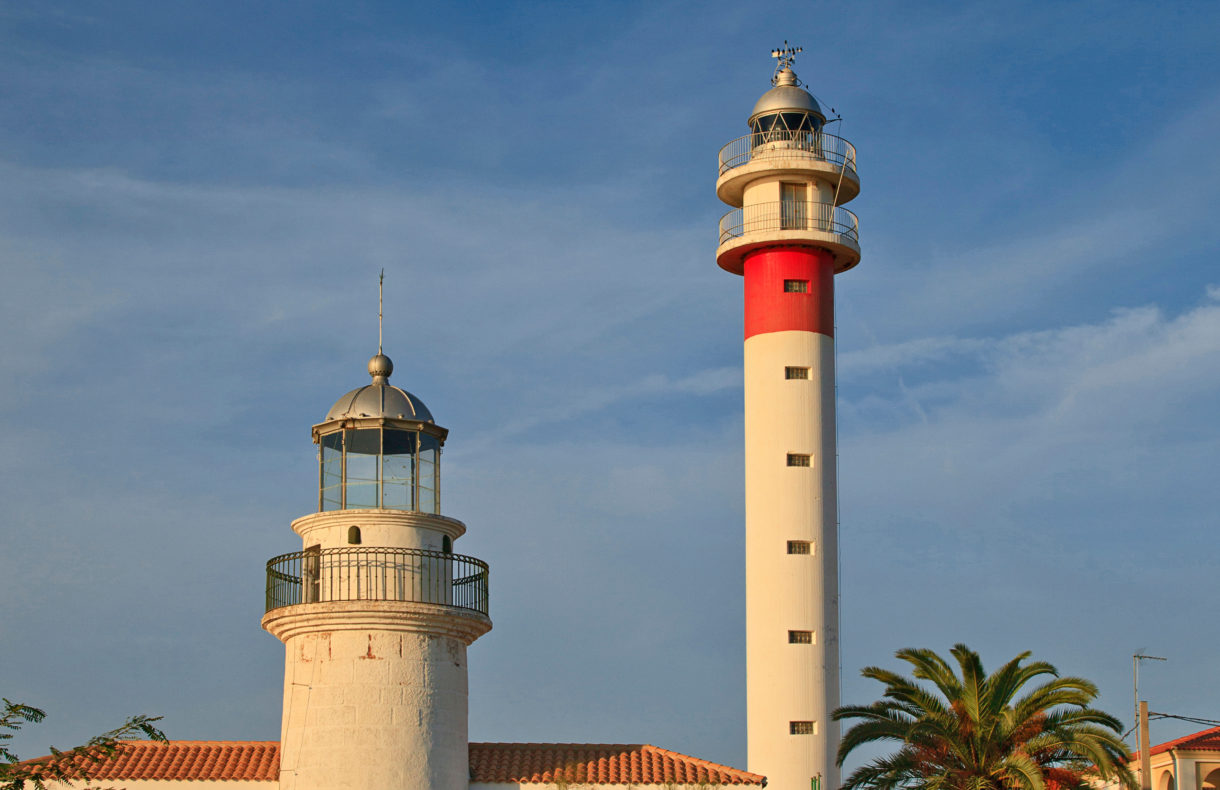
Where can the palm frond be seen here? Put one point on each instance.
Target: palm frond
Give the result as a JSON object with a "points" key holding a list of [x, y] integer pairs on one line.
{"points": [[1023, 727]]}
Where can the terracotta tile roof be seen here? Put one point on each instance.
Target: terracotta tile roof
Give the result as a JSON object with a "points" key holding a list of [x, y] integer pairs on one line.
{"points": [[1202, 741], [600, 763], [250, 760]]}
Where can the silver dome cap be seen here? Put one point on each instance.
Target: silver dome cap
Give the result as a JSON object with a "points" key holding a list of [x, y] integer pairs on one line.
{"points": [[786, 96], [379, 399]]}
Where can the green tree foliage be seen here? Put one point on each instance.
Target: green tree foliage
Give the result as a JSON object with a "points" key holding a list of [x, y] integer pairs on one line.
{"points": [[967, 730], [62, 766]]}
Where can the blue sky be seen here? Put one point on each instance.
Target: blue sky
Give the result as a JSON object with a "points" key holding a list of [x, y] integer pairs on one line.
{"points": [[195, 200]]}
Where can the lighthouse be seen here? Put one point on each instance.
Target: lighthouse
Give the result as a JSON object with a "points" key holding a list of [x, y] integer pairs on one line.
{"points": [[376, 611], [787, 235]]}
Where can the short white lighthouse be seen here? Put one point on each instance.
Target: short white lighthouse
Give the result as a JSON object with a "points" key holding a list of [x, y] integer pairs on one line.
{"points": [[788, 235], [376, 611]]}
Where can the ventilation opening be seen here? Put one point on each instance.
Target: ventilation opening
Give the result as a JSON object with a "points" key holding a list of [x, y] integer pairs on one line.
{"points": [[353, 535], [791, 373], [798, 459], [800, 637], [800, 547], [802, 728], [796, 286]]}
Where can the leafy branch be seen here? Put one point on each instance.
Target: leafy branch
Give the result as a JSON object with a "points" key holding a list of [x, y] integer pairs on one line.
{"points": [[66, 765]]}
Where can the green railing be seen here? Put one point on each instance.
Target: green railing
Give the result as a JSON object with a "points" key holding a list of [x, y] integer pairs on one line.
{"points": [[377, 574]]}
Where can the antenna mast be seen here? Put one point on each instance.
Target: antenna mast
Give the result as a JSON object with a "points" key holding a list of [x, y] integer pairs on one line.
{"points": [[380, 290], [1135, 661]]}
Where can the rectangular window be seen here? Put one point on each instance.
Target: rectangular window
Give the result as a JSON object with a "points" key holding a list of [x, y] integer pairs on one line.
{"points": [[798, 459], [802, 728], [800, 547], [796, 286], [791, 373], [800, 637]]}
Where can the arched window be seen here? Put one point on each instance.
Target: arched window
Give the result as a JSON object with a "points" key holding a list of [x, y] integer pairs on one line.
{"points": [[447, 544], [353, 535]]}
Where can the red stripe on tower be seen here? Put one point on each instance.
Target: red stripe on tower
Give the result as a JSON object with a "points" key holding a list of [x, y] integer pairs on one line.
{"points": [[789, 288]]}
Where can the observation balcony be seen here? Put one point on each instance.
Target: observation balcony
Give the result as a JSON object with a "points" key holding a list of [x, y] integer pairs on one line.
{"points": [[797, 223], [377, 574], [782, 152]]}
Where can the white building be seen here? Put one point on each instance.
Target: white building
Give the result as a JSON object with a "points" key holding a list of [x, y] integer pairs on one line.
{"points": [[1191, 762]]}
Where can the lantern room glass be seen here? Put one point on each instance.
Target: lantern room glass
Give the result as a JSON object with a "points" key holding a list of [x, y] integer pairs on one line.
{"points": [[387, 468], [800, 130]]}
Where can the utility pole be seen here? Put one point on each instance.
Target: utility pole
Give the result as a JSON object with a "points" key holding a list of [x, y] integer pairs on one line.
{"points": [[1145, 757]]}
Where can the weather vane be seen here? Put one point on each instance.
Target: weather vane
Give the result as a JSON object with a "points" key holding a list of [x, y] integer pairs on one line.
{"points": [[785, 57], [380, 290]]}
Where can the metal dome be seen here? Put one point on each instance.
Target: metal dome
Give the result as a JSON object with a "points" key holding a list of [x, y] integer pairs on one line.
{"points": [[380, 399], [786, 96]]}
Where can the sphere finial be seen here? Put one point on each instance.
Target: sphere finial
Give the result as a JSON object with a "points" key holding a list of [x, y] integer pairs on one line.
{"points": [[380, 368]]}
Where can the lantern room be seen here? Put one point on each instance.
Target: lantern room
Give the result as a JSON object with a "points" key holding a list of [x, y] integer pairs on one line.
{"points": [[786, 112], [379, 448]]}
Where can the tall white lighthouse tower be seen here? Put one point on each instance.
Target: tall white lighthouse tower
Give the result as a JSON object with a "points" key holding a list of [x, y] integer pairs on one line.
{"points": [[788, 235], [376, 611]]}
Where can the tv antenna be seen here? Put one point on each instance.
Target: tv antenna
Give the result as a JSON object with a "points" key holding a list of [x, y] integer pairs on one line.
{"points": [[1139, 656]]}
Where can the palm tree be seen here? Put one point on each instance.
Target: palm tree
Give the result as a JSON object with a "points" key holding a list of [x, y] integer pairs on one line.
{"points": [[973, 731]]}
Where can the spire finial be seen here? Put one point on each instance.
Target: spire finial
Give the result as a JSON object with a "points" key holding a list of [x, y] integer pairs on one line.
{"points": [[380, 366], [785, 55]]}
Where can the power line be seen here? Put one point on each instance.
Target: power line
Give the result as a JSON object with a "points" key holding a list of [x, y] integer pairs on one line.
{"points": [[1191, 719]]}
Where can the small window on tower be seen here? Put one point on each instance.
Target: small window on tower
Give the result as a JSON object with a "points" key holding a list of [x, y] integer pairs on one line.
{"points": [[800, 547], [447, 544], [353, 535], [798, 459], [802, 728], [792, 373], [796, 286], [800, 637]]}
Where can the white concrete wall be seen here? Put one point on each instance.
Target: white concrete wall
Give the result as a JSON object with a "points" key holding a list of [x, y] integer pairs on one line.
{"points": [[376, 709], [767, 189], [791, 682], [396, 529]]}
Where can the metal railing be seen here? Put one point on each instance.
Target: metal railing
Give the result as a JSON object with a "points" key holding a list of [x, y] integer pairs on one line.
{"points": [[789, 215], [782, 142], [377, 574]]}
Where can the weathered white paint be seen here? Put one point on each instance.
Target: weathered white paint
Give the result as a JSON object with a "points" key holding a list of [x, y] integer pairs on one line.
{"points": [[375, 695], [791, 682]]}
